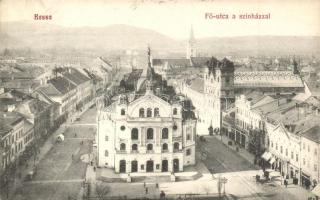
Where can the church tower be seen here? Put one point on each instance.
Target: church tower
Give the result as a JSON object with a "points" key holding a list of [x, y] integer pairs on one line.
{"points": [[191, 52]]}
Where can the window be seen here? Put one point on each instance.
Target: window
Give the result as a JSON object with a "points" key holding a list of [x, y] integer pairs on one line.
{"points": [[308, 148], [315, 167], [304, 161], [227, 80], [156, 112], [134, 134], [176, 146], [165, 133], [188, 152], [286, 152], [157, 166], [122, 128], [315, 152], [292, 157], [165, 147], [149, 133], [106, 153], [142, 167], [276, 146], [175, 111], [122, 146], [123, 112], [149, 147], [106, 138], [141, 112], [134, 147], [297, 158], [281, 150], [188, 137], [149, 112]]}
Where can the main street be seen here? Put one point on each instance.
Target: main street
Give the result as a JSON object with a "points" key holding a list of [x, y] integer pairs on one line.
{"points": [[61, 171], [226, 162]]}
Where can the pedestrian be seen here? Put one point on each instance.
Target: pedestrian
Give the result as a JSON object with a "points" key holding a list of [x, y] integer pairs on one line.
{"points": [[286, 183], [157, 185], [144, 184], [94, 168], [146, 190]]}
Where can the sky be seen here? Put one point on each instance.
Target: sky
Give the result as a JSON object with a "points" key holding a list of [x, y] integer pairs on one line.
{"points": [[175, 17]]}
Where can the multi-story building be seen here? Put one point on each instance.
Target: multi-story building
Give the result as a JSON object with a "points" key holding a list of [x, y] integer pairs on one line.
{"points": [[147, 131], [11, 139]]}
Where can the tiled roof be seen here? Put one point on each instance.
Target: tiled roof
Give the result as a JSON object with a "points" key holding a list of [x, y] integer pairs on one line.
{"points": [[197, 84], [313, 134], [8, 120], [62, 84], [75, 76], [49, 90], [199, 61], [172, 61], [258, 79]]}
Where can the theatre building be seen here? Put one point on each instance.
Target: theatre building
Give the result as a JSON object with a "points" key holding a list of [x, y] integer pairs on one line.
{"points": [[144, 132]]}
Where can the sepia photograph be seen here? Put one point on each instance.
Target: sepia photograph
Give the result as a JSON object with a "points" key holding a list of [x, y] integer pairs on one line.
{"points": [[159, 100]]}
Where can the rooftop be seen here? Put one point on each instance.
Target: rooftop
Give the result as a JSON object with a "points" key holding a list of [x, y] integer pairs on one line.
{"points": [[8, 120], [62, 84], [256, 79]]}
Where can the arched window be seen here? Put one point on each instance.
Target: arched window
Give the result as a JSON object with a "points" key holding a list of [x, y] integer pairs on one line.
{"points": [[141, 112], [156, 112], [176, 146], [165, 147], [134, 134], [134, 147], [165, 133], [149, 147], [123, 111], [175, 111], [122, 146], [149, 112], [149, 133]]}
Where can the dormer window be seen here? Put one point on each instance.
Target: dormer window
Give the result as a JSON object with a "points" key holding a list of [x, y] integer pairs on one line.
{"points": [[141, 112], [123, 111], [175, 111], [156, 112], [149, 112]]}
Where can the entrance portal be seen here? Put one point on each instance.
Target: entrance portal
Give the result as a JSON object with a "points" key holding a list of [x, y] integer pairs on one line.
{"points": [[134, 166], [164, 165], [122, 166], [176, 165], [150, 166]]}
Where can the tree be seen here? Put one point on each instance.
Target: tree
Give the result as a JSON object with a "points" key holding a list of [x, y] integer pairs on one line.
{"points": [[102, 191]]}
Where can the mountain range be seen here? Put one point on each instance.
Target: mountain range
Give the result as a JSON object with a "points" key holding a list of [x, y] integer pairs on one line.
{"points": [[122, 37]]}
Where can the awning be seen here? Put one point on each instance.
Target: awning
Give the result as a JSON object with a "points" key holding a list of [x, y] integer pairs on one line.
{"points": [[266, 156], [272, 160], [316, 190]]}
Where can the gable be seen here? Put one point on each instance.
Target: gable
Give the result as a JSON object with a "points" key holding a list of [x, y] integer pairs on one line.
{"points": [[149, 101]]}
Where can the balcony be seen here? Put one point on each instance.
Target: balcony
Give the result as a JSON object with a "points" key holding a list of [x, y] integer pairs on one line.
{"points": [[134, 151], [121, 151], [150, 151], [177, 138]]}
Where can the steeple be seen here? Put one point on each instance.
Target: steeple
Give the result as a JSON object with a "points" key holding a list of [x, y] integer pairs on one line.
{"points": [[191, 45], [149, 81], [295, 66]]}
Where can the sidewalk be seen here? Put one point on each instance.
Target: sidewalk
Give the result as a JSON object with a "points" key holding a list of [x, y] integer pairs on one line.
{"points": [[44, 149], [295, 190]]}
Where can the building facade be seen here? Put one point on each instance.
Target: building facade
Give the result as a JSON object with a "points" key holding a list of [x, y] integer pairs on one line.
{"points": [[147, 134]]}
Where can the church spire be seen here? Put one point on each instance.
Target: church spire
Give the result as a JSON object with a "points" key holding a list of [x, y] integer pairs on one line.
{"points": [[190, 46], [149, 83]]}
